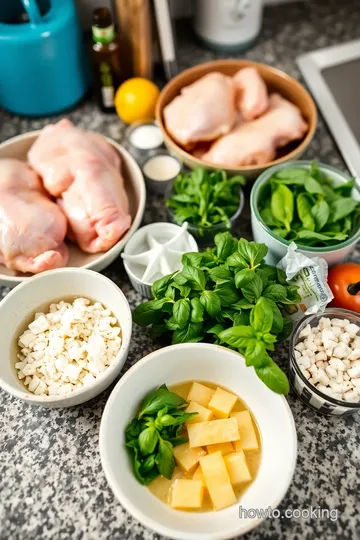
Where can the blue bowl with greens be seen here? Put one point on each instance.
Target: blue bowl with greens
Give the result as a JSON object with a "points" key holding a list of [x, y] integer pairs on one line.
{"points": [[312, 204], [208, 201]]}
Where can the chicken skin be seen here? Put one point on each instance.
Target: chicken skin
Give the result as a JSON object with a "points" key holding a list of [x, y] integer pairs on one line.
{"points": [[32, 227], [251, 95], [204, 111], [255, 143], [83, 171]]}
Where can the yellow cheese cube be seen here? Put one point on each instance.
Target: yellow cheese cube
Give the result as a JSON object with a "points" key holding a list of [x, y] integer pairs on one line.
{"points": [[248, 439], [223, 447], [187, 494], [187, 458], [217, 480], [200, 393], [222, 403], [213, 432], [237, 468], [203, 414], [198, 475]]}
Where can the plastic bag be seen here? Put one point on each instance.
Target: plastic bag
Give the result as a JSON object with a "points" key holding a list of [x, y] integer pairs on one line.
{"points": [[310, 275]]}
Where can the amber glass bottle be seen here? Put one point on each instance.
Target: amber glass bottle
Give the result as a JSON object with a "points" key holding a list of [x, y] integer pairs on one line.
{"points": [[106, 59]]}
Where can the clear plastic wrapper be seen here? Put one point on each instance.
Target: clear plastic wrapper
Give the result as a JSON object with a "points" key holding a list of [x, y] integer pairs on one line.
{"points": [[310, 275]]}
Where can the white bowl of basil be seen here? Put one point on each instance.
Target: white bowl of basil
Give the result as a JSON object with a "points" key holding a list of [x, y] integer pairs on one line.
{"points": [[312, 204]]}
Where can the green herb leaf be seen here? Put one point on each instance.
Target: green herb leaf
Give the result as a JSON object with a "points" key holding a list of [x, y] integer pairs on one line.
{"points": [[197, 311], [253, 289], [252, 252], [165, 459], [148, 464], [342, 208], [282, 205], [275, 292], [313, 186], [273, 376], [190, 334], [320, 212], [144, 314], [220, 274], [148, 439], [304, 205], [278, 324], [224, 243], [243, 277], [181, 312], [261, 316], [194, 276], [237, 336], [227, 293], [210, 302], [236, 260], [255, 352], [157, 400], [160, 286]]}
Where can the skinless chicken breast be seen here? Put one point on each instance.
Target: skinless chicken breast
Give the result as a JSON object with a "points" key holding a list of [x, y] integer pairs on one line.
{"points": [[32, 227], [203, 111], [83, 171], [251, 95]]}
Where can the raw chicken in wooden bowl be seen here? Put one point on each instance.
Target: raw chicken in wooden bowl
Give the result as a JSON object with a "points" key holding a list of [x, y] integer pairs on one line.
{"points": [[236, 115], [68, 197]]}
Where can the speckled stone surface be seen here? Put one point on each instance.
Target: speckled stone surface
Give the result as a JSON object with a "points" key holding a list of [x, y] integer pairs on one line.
{"points": [[51, 482]]}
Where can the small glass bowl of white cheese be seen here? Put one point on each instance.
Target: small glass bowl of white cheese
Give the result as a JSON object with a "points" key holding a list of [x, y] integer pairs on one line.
{"points": [[325, 361]]}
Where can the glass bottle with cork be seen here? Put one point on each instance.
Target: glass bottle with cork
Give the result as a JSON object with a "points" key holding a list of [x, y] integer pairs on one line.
{"points": [[106, 59]]}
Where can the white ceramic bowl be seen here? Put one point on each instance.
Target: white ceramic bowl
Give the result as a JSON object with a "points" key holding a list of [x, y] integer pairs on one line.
{"points": [[18, 147], [37, 293], [215, 364], [278, 246]]}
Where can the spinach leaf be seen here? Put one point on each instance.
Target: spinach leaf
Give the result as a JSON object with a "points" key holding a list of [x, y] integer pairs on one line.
{"points": [[282, 205], [342, 208], [313, 186], [346, 188], [181, 312], [304, 205], [261, 316], [320, 212]]}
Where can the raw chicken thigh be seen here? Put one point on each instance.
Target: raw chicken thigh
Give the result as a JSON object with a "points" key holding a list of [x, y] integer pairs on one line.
{"points": [[83, 171], [255, 143], [251, 95], [204, 111], [32, 227]]}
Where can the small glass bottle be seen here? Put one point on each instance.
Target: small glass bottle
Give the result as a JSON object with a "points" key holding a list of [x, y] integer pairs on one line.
{"points": [[106, 59]]}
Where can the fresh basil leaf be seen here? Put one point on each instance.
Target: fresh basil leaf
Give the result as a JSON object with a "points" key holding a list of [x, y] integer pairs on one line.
{"points": [[210, 302], [286, 330], [192, 259], [269, 339], [243, 277], [227, 293], [224, 243], [148, 439], [165, 459], [320, 212], [160, 286], [252, 252], [277, 324], [242, 319], [254, 353], [304, 206], [342, 208], [253, 289], [181, 312], [282, 205], [148, 464], [270, 271], [158, 399], [275, 292], [261, 316], [346, 188], [171, 324], [220, 274], [133, 429], [197, 311], [237, 336], [184, 290], [313, 186], [273, 376], [144, 314], [217, 329], [243, 304], [190, 334], [281, 276], [143, 478], [162, 412], [194, 276], [157, 330], [236, 260]]}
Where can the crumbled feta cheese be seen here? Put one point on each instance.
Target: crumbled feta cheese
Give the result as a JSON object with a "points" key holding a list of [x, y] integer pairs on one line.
{"points": [[68, 347], [329, 357]]}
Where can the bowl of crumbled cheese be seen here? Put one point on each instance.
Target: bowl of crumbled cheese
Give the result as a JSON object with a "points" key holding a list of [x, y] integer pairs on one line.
{"points": [[325, 361], [65, 337]]}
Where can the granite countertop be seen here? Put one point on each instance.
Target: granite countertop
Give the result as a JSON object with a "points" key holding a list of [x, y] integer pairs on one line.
{"points": [[51, 481]]}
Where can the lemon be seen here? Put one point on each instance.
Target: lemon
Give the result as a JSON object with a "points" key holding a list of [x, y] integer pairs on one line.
{"points": [[135, 100]]}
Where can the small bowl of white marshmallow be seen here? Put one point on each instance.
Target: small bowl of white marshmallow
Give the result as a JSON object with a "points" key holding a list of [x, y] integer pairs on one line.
{"points": [[325, 361]]}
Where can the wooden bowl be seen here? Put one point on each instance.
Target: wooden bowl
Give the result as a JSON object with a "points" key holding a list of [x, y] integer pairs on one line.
{"points": [[18, 147], [276, 81]]}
